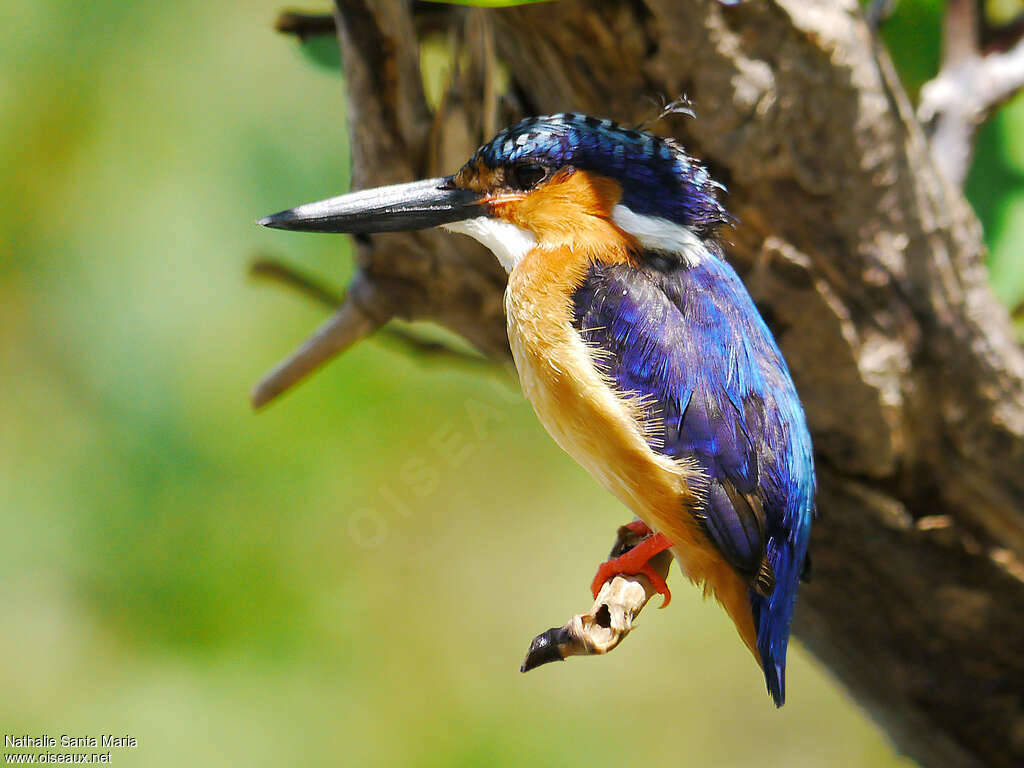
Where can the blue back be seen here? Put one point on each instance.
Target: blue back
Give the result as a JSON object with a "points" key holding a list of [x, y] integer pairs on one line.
{"points": [[691, 339], [657, 177]]}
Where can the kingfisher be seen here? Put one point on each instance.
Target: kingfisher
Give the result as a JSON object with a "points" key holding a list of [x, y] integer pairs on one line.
{"points": [[639, 348]]}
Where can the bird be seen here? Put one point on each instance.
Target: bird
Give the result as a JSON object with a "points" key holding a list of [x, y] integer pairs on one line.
{"points": [[639, 348]]}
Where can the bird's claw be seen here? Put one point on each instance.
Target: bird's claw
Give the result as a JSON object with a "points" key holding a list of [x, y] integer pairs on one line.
{"points": [[637, 562]]}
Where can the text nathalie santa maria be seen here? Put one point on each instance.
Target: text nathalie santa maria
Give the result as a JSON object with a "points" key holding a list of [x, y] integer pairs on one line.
{"points": [[67, 741]]}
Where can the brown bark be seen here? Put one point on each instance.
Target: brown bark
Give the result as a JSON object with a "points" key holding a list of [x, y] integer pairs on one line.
{"points": [[866, 262]]}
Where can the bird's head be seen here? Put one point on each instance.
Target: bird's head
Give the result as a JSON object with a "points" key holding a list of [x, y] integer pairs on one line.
{"points": [[554, 180]]}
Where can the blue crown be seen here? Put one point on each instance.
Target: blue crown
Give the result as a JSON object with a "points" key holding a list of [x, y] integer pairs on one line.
{"points": [[657, 177]]}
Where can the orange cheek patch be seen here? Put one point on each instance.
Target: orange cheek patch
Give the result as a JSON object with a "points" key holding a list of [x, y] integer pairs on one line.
{"points": [[572, 209], [570, 195]]}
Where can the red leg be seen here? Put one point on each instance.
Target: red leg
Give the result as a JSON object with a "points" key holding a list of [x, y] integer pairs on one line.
{"points": [[637, 561]]}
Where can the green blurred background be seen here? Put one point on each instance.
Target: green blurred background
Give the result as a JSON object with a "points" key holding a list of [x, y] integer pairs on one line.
{"points": [[353, 576]]}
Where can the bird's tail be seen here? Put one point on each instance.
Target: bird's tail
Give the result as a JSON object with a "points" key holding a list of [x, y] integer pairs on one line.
{"points": [[775, 678], [772, 617], [772, 622]]}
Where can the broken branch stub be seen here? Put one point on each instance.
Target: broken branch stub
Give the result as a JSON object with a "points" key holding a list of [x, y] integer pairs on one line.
{"points": [[609, 619]]}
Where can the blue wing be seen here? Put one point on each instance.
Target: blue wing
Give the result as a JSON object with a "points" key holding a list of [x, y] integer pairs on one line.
{"points": [[692, 342]]}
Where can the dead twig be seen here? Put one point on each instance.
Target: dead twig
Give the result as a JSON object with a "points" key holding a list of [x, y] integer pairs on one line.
{"points": [[305, 25], [267, 268], [318, 349], [610, 618], [349, 324]]}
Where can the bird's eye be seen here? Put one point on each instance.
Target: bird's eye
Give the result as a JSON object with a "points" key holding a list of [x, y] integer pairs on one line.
{"points": [[526, 176]]}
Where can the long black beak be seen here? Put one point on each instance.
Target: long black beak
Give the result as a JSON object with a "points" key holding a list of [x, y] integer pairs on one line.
{"points": [[418, 205]]}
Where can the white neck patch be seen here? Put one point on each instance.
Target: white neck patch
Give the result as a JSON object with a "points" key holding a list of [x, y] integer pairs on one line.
{"points": [[505, 240], [661, 235]]}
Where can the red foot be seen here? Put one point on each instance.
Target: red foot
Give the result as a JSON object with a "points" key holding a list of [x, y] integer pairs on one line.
{"points": [[637, 561]]}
